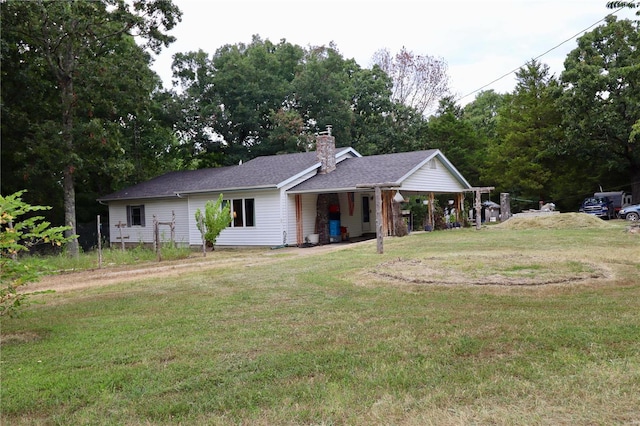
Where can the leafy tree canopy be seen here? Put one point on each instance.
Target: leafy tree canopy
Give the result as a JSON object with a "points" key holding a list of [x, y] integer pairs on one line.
{"points": [[519, 160], [601, 103], [455, 136], [81, 53]]}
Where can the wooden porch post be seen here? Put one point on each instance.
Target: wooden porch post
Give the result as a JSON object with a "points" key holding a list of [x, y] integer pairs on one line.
{"points": [[379, 235], [478, 203], [478, 209], [432, 216], [459, 206], [379, 214], [299, 230]]}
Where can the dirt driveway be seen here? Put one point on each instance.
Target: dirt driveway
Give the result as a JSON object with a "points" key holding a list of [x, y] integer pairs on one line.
{"points": [[196, 263]]}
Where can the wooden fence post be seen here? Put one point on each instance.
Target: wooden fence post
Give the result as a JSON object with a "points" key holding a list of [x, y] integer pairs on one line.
{"points": [[204, 242], [121, 225], [156, 238], [99, 243], [173, 228]]}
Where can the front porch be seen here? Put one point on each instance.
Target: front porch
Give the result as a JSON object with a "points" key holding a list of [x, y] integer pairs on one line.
{"points": [[328, 216]]}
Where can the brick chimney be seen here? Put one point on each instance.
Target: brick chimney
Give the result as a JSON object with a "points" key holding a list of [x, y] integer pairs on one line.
{"points": [[326, 151]]}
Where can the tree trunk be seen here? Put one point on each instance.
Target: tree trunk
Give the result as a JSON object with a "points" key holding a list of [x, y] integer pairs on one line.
{"points": [[70, 210], [67, 95]]}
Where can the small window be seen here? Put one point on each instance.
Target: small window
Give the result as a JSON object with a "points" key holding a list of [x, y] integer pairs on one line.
{"points": [[135, 216]]}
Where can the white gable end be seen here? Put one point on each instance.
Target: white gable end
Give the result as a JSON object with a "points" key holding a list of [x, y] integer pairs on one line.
{"points": [[433, 176]]}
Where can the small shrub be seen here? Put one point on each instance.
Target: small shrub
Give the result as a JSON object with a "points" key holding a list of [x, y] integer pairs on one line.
{"points": [[217, 216], [19, 230]]}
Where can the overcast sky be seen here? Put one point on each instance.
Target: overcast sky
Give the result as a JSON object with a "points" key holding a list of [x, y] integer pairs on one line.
{"points": [[481, 40]]}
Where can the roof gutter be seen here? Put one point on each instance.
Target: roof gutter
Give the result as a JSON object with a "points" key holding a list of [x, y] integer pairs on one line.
{"points": [[157, 197]]}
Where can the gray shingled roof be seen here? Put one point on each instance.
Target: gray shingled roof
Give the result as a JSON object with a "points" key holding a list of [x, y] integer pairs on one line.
{"points": [[268, 171], [373, 169], [165, 185]]}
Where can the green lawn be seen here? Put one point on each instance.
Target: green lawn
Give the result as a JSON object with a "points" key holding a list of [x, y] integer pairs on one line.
{"points": [[498, 326]]}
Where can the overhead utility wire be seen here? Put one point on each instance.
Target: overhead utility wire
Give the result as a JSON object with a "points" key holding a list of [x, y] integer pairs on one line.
{"points": [[541, 55]]}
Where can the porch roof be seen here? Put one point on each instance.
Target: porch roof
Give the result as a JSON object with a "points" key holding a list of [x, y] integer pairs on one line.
{"points": [[367, 170]]}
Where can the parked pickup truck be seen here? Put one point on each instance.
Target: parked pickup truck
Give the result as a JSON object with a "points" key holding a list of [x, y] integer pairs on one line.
{"points": [[620, 199], [598, 206]]}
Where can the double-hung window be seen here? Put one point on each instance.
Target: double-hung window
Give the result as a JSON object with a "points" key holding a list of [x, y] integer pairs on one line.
{"points": [[135, 215]]}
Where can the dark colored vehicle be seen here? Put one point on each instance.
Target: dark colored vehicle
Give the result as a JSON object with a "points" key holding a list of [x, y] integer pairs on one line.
{"points": [[630, 212], [598, 206], [619, 199]]}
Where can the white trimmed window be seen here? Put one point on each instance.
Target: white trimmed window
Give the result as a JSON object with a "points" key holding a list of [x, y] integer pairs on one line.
{"points": [[135, 216], [243, 212]]}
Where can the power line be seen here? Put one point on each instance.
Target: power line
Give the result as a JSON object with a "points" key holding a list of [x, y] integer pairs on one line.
{"points": [[541, 55]]}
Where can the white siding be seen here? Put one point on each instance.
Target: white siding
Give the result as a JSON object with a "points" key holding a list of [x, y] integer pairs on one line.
{"points": [[162, 209], [268, 227], [288, 210], [308, 216], [432, 179]]}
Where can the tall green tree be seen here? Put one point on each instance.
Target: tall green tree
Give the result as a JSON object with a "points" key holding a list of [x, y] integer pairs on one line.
{"points": [[263, 98], [75, 42], [251, 83], [519, 161], [323, 91], [601, 104], [380, 124], [372, 107], [451, 133], [482, 113], [237, 103], [196, 109], [482, 116], [30, 113]]}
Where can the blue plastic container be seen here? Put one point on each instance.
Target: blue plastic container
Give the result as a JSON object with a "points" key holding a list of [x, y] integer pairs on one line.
{"points": [[334, 228]]}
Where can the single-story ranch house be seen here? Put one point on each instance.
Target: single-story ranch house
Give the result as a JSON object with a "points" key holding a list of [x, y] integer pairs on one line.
{"points": [[283, 199]]}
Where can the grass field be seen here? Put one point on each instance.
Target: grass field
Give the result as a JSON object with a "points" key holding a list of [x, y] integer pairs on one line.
{"points": [[534, 325]]}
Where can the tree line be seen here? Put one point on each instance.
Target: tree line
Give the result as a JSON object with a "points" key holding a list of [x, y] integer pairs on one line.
{"points": [[84, 115]]}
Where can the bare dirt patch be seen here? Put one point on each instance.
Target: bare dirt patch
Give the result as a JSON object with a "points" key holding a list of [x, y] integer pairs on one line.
{"points": [[20, 337], [510, 270]]}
